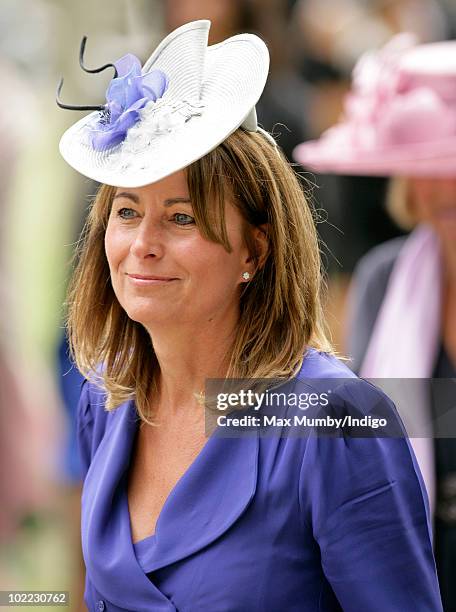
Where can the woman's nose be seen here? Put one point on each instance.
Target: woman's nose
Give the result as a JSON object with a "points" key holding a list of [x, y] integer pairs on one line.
{"points": [[147, 241]]}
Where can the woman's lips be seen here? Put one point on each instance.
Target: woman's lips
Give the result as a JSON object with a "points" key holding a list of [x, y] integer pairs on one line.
{"points": [[143, 280]]}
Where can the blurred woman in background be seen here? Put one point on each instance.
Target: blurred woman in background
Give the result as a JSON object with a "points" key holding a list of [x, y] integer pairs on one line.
{"points": [[399, 122]]}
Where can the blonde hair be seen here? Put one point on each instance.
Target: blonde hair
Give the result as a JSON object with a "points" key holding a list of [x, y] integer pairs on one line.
{"points": [[280, 308], [399, 203]]}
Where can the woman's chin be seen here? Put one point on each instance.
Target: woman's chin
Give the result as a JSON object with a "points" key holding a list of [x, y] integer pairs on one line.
{"points": [[447, 233], [151, 322], [152, 315]]}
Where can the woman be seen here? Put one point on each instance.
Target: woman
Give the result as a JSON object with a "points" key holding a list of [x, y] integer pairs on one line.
{"points": [[417, 275], [200, 261], [403, 294]]}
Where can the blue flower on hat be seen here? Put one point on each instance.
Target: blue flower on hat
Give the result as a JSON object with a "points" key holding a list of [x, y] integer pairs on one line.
{"points": [[126, 95]]}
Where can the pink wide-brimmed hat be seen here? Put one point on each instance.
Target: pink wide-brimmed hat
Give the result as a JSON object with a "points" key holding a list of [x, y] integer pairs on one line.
{"points": [[399, 117]]}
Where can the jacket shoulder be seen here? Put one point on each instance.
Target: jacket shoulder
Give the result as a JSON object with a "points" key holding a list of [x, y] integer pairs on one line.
{"points": [[92, 418], [322, 365], [376, 265]]}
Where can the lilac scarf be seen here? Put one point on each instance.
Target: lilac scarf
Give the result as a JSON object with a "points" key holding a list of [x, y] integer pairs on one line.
{"points": [[406, 337]]}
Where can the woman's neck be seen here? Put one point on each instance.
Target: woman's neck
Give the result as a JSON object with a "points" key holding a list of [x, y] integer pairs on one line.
{"points": [[187, 356], [449, 263], [449, 301]]}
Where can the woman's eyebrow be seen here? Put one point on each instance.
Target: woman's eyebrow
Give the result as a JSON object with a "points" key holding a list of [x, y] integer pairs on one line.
{"points": [[126, 194], [167, 202], [182, 200]]}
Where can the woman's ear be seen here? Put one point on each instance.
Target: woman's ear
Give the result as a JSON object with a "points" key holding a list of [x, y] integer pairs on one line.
{"points": [[260, 243]]}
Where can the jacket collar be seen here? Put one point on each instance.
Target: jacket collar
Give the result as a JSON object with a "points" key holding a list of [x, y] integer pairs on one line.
{"points": [[224, 474]]}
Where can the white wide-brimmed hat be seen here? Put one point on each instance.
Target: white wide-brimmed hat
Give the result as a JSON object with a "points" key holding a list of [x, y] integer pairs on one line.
{"points": [[186, 99]]}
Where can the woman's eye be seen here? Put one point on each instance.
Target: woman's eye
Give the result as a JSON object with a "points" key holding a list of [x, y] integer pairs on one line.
{"points": [[126, 213], [183, 219]]}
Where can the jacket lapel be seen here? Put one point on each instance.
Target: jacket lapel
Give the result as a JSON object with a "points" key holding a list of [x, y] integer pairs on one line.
{"points": [[208, 499], [211, 495]]}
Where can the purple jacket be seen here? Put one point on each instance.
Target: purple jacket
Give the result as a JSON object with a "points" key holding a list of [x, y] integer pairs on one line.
{"points": [[261, 524]]}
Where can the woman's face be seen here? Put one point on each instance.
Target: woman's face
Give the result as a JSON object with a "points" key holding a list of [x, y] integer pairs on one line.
{"points": [[434, 202], [162, 269]]}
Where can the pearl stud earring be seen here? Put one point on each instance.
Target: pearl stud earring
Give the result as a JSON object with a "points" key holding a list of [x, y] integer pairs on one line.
{"points": [[246, 275]]}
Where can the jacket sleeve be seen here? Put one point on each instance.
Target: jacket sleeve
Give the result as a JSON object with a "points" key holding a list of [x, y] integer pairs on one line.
{"points": [[365, 501], [90, 423]]}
